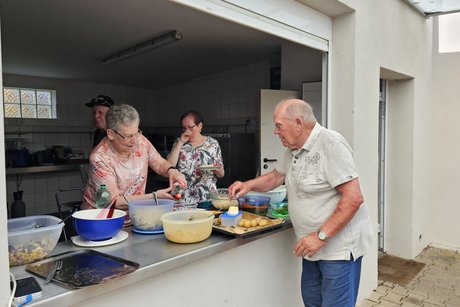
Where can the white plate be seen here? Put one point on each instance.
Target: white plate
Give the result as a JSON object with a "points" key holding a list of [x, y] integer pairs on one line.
{"points": [[209, 167], [119, 237]]}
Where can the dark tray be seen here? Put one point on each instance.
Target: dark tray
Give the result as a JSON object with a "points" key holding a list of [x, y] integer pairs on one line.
{"points": [[237, 231], [83, 268]]}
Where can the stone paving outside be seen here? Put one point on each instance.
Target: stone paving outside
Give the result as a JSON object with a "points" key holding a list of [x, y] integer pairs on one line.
{"points": [[438, 284]]}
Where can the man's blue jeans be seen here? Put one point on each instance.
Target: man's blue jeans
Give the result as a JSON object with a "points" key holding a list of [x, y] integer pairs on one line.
{"points": [[330, 283]]}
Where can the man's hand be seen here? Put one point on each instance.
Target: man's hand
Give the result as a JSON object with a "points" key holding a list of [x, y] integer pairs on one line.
{"points": [[238, 188], [308, 246]]}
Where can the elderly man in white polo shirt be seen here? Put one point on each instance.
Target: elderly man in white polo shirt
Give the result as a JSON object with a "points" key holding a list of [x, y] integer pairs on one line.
{"points": [[325, 204]]}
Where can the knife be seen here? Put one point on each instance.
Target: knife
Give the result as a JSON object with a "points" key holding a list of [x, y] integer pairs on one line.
{"points": [[52, 272]]}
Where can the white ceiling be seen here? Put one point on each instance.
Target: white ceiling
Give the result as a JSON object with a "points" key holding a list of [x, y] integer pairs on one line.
{"points": [[435, 7], [69, 38]]}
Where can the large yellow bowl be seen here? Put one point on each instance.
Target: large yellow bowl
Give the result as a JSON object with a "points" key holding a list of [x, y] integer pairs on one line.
{"points": [[178, 227]]}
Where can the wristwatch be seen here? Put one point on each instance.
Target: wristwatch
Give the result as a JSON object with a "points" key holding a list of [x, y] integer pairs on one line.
{"points": [[322, 235]]}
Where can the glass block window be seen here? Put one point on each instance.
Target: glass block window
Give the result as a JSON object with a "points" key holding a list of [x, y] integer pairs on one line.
{"points": [[29, 103]]}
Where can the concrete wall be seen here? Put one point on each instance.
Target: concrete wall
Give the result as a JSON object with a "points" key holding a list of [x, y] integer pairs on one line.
{"points": [[443, 146], [391, 36]]}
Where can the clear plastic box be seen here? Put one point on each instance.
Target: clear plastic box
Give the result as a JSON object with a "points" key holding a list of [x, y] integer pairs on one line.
{"points": [[32, 238], [230, 220]]}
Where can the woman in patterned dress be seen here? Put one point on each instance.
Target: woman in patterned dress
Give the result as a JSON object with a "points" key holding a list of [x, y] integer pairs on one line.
{"points": [[121, 161], [190, 152]]}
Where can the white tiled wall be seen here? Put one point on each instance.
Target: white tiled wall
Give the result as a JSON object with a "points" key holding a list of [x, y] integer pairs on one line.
{"points": [[39, 189], [226, 99]]}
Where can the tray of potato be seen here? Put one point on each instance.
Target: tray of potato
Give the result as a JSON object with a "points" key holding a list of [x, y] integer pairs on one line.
{"points": [[250, 224]]}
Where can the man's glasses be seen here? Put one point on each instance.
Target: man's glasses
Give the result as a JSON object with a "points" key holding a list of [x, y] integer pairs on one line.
{"points": [[188, 128], [128, 137]]}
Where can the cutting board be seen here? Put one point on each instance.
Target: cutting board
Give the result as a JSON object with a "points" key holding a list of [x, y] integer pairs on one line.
{"points": [[239, 231], [83, 268]]}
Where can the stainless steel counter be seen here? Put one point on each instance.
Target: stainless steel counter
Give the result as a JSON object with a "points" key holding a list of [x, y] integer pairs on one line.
{"points": [[155, 254]]}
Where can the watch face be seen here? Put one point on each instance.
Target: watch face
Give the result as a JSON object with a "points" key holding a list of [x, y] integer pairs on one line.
{"points": [[322, 235]]}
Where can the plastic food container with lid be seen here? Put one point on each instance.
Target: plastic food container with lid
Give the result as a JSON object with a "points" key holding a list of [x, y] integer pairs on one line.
{"points": [[145, 214], [254, 204], [32, 238]]}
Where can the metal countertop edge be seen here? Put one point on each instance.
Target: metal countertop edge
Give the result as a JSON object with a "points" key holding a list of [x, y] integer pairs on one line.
{"points": [[65, 297]]}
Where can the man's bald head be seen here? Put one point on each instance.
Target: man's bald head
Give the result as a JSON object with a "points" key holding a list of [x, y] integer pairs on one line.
{"points": [[296, 108]]}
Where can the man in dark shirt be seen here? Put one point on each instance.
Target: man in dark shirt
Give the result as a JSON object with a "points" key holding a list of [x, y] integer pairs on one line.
{"points": [[100, 105]]}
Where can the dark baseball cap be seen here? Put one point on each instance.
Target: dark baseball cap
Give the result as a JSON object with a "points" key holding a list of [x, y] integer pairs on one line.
{"points": [[100, 100]]}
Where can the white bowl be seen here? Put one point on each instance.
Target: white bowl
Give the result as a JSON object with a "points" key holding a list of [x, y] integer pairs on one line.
{"points": [[276, 195]]}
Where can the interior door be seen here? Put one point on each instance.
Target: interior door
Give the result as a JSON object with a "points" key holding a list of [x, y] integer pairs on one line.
{"points": [[270, 145]]}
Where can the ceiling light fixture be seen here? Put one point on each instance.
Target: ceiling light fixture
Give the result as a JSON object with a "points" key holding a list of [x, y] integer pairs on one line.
{"points": [[156, 42]]}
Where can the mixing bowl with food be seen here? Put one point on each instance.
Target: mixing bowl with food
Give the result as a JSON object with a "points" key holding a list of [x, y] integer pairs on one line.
{"points": [[187, 226], [220, 199], [146, 215]]}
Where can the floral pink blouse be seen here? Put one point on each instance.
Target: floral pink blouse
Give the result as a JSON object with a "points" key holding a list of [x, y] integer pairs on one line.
{"points": [[122, 176]]}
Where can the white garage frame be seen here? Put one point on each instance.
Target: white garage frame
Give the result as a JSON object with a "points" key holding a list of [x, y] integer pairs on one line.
{"points": [[294, 22]]}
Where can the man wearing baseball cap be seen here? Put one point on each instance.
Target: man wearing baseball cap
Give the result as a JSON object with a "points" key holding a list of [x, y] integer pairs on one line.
{"points": [[100, 105]]}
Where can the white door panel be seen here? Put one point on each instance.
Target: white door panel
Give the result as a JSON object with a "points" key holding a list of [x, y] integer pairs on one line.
{"points": [[271, 148]]}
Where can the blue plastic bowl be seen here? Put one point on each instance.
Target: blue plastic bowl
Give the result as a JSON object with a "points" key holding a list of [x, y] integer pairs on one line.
{"points": [[146, 215], [93, 229]]}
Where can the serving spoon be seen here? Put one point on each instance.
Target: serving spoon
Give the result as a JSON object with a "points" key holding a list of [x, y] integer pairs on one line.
{"points": [[192, 217], [155, 198]]}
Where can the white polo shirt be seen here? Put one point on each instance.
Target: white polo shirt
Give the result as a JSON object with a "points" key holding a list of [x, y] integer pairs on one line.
{"points": [[311, 175]]}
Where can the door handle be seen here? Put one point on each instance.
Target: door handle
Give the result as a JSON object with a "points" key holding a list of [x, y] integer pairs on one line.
{"points": [[269, 160]]}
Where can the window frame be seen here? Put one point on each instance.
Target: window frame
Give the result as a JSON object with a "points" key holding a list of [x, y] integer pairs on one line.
{"points": [[36, 104]]}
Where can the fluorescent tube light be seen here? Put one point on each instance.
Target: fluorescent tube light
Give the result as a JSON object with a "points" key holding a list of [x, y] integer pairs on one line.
{"points": [[156, 42]]}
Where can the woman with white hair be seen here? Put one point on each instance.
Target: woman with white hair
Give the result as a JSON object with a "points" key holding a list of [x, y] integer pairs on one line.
{"points": [[121, 162]]}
